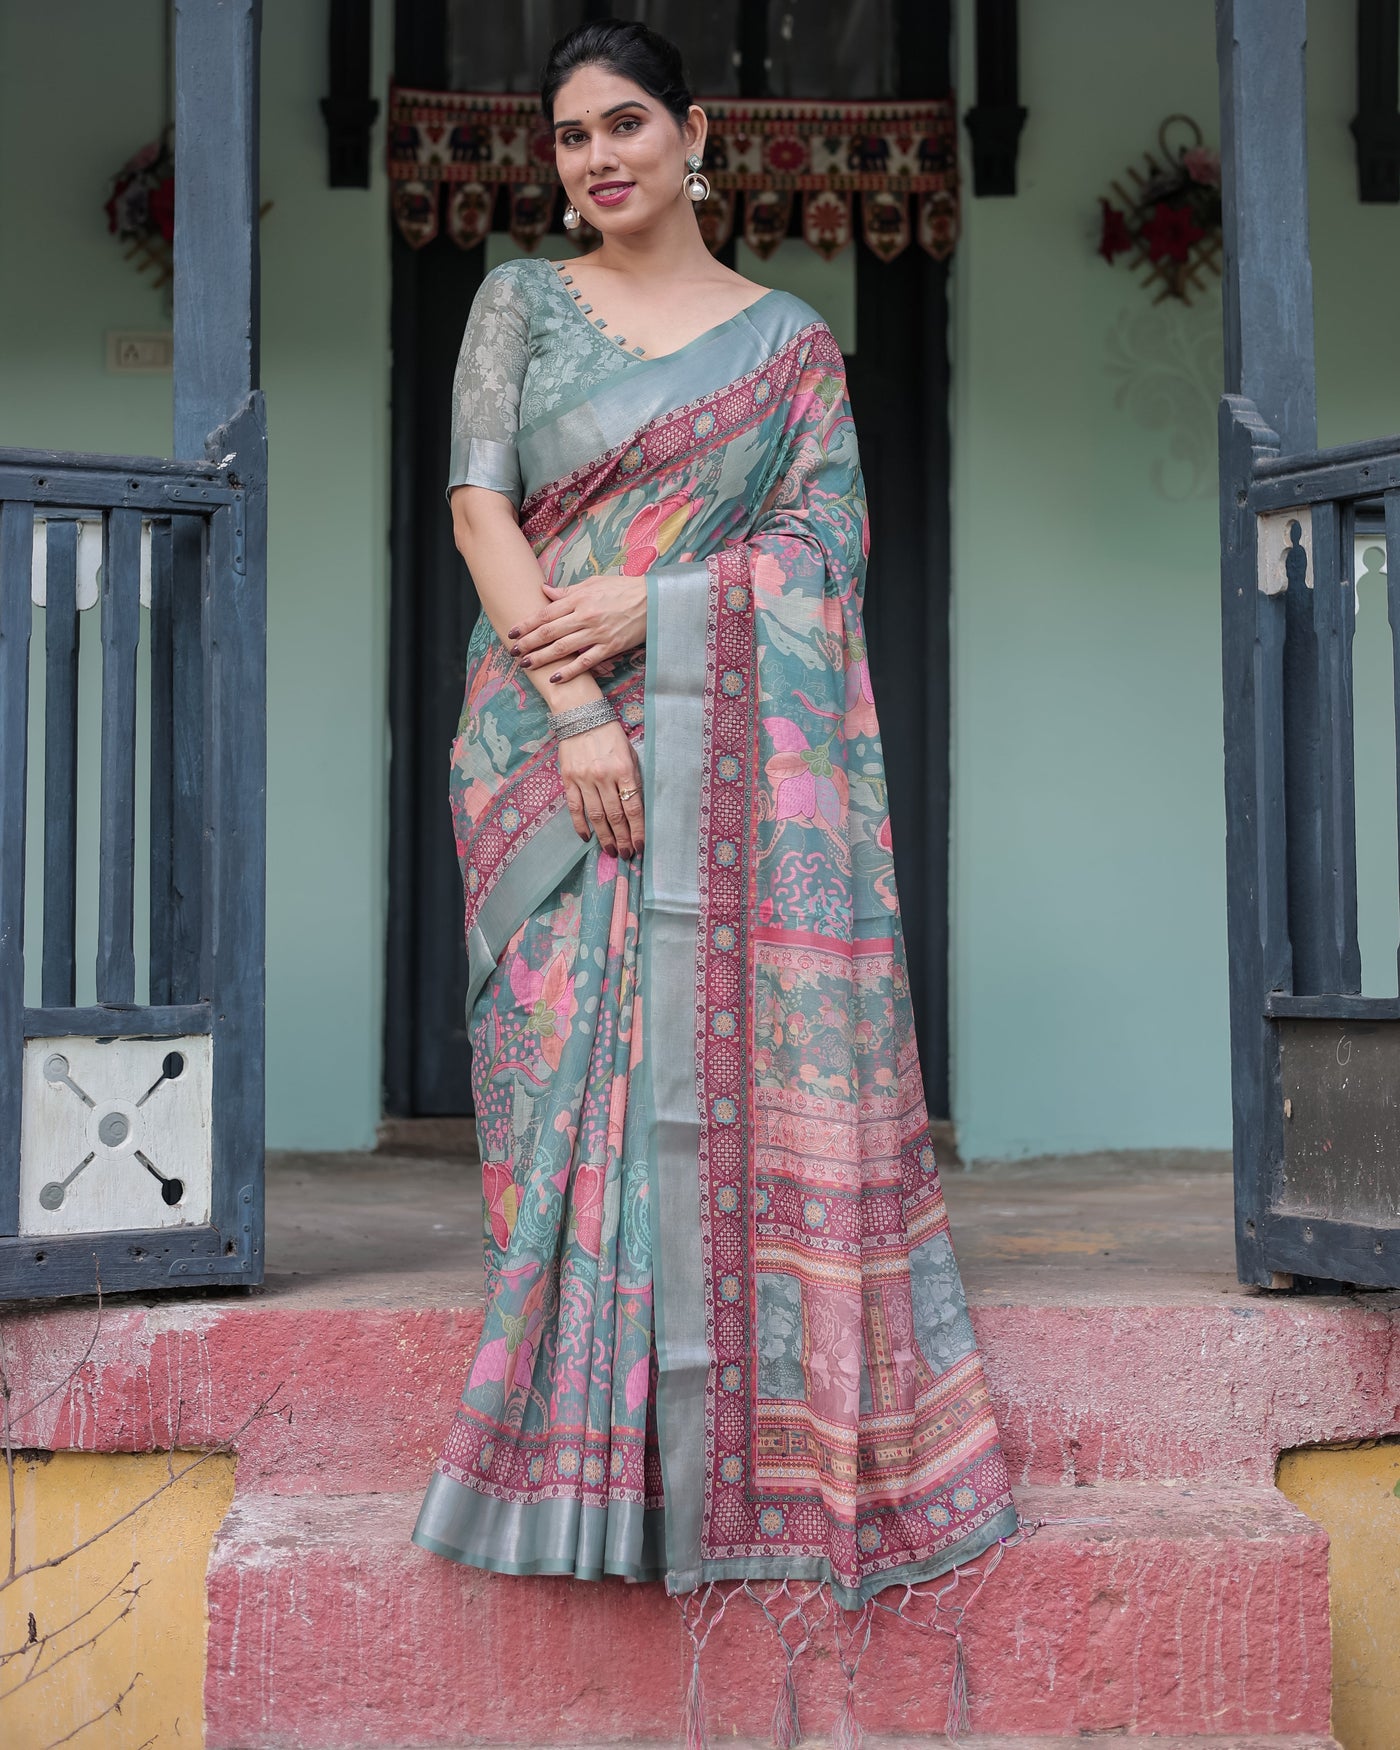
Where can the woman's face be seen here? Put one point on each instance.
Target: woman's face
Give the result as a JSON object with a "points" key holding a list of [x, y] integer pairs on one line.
{"points": [[620, 154]]}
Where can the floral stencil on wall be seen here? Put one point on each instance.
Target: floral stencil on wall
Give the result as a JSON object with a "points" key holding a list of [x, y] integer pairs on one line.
{"points": [[1169, 369]]}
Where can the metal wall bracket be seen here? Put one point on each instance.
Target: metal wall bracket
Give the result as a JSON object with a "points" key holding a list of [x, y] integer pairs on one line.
{"points": [[1376, 126], [349, 110], [995, 122]]}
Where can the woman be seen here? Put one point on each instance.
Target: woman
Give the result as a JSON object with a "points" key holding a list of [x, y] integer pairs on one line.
{"points": [[725, 1335]]}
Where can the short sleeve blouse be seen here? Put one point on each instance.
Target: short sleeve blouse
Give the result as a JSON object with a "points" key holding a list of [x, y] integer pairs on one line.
{"points": [[486, 388], [527, 350]]}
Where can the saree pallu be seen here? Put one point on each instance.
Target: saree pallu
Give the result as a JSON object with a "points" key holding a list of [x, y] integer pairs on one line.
{"points": [[725, 1334]]}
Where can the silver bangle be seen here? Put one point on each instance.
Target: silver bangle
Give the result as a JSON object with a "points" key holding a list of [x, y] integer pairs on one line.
{"points": [[581, 718]]}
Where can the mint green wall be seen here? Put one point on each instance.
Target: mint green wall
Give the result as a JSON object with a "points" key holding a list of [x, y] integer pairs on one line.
{"points": [[1088, 932], [1089, 988], [63, 284]]}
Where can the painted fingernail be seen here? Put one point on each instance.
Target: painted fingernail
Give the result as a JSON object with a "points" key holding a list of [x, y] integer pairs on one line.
{"points": [[556, 677], [524, 662], [514, 632], [515, 649]]}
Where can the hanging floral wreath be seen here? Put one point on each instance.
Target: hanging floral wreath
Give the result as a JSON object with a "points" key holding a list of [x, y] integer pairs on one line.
{"points": [[1166, 219], [141, 208]]}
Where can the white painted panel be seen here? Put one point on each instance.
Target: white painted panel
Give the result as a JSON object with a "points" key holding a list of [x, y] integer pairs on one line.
{"points": [[1275, 544], [115, 1134], [89, 562]]}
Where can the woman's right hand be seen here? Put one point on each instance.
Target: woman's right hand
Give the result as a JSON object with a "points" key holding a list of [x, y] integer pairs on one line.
{"points": [[596, 767]]}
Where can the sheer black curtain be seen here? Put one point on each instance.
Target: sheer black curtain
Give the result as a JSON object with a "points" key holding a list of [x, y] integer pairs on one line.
{"points": [[805, 48]]}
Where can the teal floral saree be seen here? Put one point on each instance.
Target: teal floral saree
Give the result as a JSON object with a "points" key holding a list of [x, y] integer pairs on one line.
{"points": [[725, 1334]]}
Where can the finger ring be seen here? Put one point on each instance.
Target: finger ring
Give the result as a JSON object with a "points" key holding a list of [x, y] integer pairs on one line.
{"points": [[624, 794]]}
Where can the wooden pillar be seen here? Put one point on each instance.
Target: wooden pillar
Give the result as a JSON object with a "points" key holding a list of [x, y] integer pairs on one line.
{"points": [[219, 413], [1264, 174], [1283, 882], [1269, 361], [216, 214]]}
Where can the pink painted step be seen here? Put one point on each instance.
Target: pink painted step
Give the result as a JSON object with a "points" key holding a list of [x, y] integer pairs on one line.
{"points": [[1137, 1608], [365, 1393], [1087, 1392], [1100, 1741], [976, 1741]]}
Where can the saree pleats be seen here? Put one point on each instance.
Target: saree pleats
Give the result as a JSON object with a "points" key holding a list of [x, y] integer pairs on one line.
{"points": [[548, 1468], [726, 1338]]}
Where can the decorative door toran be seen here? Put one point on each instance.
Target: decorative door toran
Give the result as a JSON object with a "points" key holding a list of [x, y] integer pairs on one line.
{"points": [[451, 151]]}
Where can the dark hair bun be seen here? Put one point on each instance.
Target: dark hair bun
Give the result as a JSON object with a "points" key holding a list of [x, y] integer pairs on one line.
{"points": [[629, 50]]}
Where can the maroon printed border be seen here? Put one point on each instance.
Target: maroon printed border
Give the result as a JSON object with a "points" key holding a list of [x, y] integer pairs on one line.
{"points": [[744, 1517], [724, 1076], [591, 1465], [681, 433]]}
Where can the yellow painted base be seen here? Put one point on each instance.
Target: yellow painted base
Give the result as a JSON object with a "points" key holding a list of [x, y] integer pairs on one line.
{"points": [[1351, 1492], [149, 1620]]}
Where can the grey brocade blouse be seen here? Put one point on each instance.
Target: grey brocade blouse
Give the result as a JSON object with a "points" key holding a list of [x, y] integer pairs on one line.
{"points": [[528, 346]]}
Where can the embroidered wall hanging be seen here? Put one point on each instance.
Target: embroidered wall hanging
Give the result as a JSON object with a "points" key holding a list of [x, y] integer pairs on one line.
{"points": [[450, 151]]}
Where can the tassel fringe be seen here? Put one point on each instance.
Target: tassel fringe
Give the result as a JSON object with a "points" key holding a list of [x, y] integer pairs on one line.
{"points": [[797, 1612], [787, 1725], [847, 1733], [694, 1735], [701, 1612], [959, 1719]]}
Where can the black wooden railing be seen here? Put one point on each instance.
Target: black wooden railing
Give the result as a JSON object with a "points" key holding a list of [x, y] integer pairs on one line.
{"points": [[1317, 1064], [202, 1175]]}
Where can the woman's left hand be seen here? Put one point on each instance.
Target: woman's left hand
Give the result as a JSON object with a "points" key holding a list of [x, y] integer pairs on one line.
{"points": [[583, 625]]}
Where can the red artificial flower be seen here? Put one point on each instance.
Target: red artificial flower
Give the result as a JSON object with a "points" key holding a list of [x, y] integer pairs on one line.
{"points": [[1115, 237], [1202, 165], [161, 208], [1170, 232]]}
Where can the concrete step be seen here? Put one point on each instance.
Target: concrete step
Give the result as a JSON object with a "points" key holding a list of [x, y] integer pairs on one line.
{"points": [[365, 1393], [1132, 1608], [976, 1741]]}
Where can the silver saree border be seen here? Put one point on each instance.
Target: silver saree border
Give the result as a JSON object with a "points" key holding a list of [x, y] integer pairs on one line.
{"points": [[565, 1536], [678, 598]]}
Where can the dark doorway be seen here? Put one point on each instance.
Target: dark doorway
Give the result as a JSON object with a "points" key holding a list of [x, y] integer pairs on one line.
{"points": [[899, 382]]}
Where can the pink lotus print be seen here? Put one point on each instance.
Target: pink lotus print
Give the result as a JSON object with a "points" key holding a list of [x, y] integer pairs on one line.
{"points": [[590, 1180], [549, 996], [653, 531], [806, 786], [511, 1358]]}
